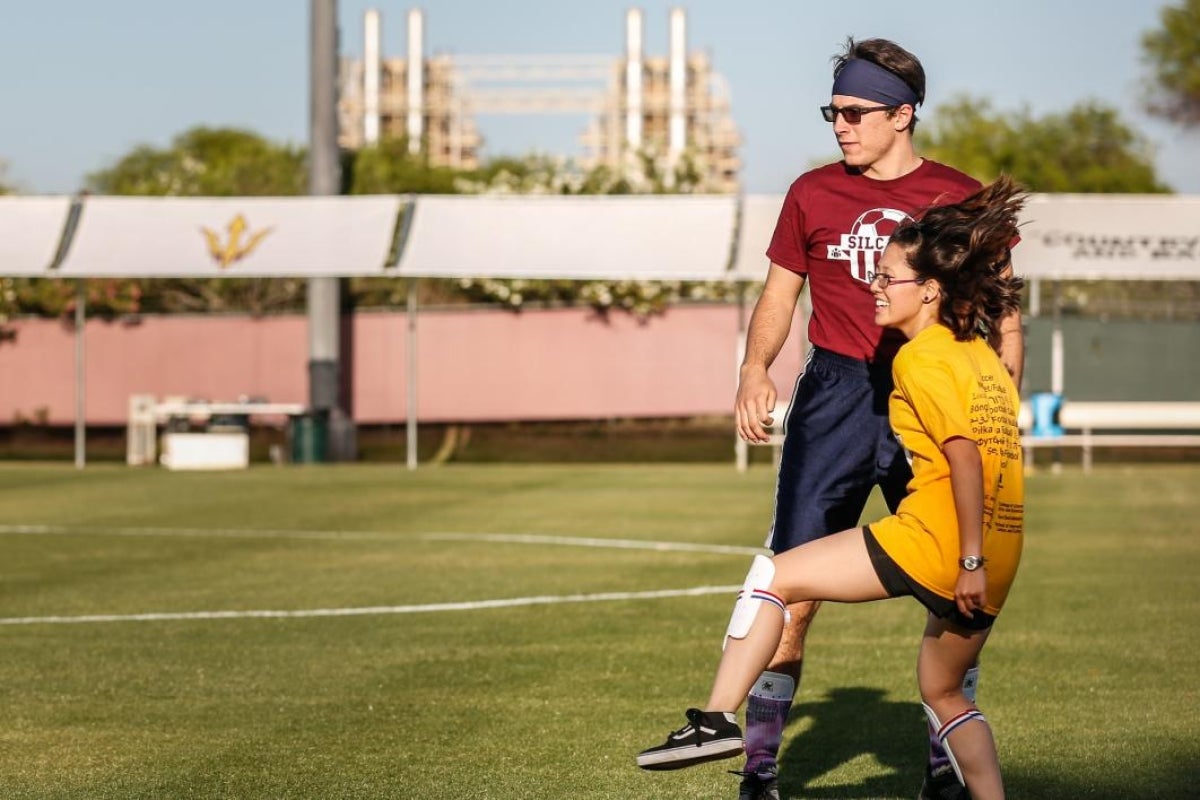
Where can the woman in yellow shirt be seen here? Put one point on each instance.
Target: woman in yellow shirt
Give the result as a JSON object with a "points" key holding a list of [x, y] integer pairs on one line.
{"points": [[954, 543]]}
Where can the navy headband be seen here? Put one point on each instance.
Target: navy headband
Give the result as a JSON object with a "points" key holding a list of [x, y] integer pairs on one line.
{"points": [[865, 79]]}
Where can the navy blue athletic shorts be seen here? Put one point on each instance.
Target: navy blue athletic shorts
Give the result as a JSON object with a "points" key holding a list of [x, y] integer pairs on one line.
{"points": [[837, 446]]}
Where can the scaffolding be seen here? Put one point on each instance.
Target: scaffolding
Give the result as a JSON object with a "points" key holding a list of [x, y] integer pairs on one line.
{"points": [[671, 113]]}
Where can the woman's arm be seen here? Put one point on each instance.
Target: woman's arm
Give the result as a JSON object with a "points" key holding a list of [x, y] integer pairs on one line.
{"points": [[966, 480]]}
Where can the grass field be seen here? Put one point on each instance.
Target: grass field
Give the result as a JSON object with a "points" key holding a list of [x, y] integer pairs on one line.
{"points": [[135, 665]]}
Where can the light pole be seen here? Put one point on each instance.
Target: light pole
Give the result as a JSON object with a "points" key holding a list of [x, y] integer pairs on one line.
{"points": [[324, 178]]}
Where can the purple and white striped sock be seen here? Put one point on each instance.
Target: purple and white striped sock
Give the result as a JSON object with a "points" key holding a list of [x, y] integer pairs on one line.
{"points": [[766, 715]]}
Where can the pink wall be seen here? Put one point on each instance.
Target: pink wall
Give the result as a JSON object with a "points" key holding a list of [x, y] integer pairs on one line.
{"points": [[473, 364]]}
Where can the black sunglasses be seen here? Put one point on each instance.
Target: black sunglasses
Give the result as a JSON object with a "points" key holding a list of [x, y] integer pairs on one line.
{"points": [[852, 114]]}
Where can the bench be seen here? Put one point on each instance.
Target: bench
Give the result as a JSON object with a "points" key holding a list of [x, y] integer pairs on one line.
{"points": [[216, 447], [1090, 424]]}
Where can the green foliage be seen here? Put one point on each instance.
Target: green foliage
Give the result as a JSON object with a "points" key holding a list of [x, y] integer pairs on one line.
{"points": [[388, 168], [207, 162], [106, 297], [642, 298], [1087, 148], [1172, 52], [199, 295], [5, 187]]}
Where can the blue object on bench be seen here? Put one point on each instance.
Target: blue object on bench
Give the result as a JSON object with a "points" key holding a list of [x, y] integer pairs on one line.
{"points": [[1046, 407]]}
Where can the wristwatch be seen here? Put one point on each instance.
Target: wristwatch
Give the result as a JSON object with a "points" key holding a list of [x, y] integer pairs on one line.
{"points": [[971, 563]]}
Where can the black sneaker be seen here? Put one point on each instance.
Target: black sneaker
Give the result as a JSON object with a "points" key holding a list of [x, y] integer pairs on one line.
{"points": [[762, 784], [942, 784], [708, 736]]}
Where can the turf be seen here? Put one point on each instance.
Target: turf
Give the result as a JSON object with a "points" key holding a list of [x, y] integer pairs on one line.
{"points": [[1090, 680]]}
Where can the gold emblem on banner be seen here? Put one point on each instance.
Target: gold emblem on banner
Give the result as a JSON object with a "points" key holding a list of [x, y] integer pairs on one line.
{"points": [[233, 248]]}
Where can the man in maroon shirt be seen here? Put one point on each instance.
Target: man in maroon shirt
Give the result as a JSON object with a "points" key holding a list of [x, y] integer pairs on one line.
{"points": [[833, 226]]}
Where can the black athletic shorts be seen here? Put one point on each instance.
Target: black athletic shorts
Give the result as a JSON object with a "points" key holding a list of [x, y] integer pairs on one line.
{"points": [[898, 584]]}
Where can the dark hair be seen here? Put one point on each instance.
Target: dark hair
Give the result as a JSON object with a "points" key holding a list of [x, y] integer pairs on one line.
{"points": [[892, 57], [965, 248]]}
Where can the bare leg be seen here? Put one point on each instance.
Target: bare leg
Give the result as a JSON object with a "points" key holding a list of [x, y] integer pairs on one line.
{"points": [[789, 655], [836, 567], [947, 652]]}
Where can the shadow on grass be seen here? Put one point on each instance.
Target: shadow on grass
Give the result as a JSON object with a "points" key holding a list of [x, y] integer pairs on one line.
{"points": [[1171, 777], [848, 724], [857, 721]]}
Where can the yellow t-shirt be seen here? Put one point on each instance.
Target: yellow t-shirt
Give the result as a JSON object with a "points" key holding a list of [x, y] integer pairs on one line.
{"points": [[946, 389]]}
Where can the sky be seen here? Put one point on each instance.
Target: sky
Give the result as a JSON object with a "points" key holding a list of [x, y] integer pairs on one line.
{"points": [[86, 81]]}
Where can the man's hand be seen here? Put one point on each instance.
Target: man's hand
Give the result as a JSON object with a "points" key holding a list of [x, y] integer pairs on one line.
{"points": [[755, 401]]}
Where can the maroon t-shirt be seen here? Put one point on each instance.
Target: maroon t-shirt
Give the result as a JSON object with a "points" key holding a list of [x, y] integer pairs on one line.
{"points": [[832, 230]]}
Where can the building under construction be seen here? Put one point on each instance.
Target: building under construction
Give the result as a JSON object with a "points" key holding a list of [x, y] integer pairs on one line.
{"points": [[672, 109]]}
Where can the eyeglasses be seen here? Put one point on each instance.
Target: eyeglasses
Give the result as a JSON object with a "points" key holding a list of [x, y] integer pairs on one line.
{"points": [[852, 114], [884, 280]]}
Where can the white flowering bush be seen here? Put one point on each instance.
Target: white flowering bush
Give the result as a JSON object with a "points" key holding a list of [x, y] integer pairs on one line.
{"points": [[641, 298]]}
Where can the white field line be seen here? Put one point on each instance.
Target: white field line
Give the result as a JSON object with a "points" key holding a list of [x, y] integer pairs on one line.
{"points": [[375, 610], [200, 533], [503, 538], [572, 541]]}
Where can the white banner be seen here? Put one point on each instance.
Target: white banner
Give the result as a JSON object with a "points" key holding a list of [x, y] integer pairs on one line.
{"points": [[1114, 237], [1088, 237], [30, 230], [235, 237], [612, 238], [760, 212]]}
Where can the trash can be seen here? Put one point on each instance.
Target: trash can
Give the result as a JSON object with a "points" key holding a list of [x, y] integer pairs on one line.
{"points": [[308, 434]]}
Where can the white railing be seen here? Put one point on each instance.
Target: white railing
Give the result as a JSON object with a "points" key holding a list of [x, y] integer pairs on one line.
{"points": [[1085, 424], [1090, 424]]}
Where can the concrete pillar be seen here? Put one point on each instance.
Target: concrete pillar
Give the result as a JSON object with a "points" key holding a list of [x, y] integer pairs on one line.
{"points": [[371, 68], [415, 123]]}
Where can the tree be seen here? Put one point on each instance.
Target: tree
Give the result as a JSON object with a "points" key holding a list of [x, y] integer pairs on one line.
{"points": [[210, 162], [5, 188], [389, 168], [1084, 149], [1172, 53], [207, 162], [1087, 148]]}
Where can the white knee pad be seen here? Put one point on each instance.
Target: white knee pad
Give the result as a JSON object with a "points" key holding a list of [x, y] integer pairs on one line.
{"points": [[755, 591], [944, 731]]}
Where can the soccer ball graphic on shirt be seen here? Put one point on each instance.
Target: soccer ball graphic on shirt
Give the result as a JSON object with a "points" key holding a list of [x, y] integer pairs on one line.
{"points": [[868, 236]]}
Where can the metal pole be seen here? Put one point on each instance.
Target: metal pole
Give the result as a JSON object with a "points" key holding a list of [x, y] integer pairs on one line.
{"points": [[741, 450], [1056, 344], [80, 375], [411, 429], [324, 178]]}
